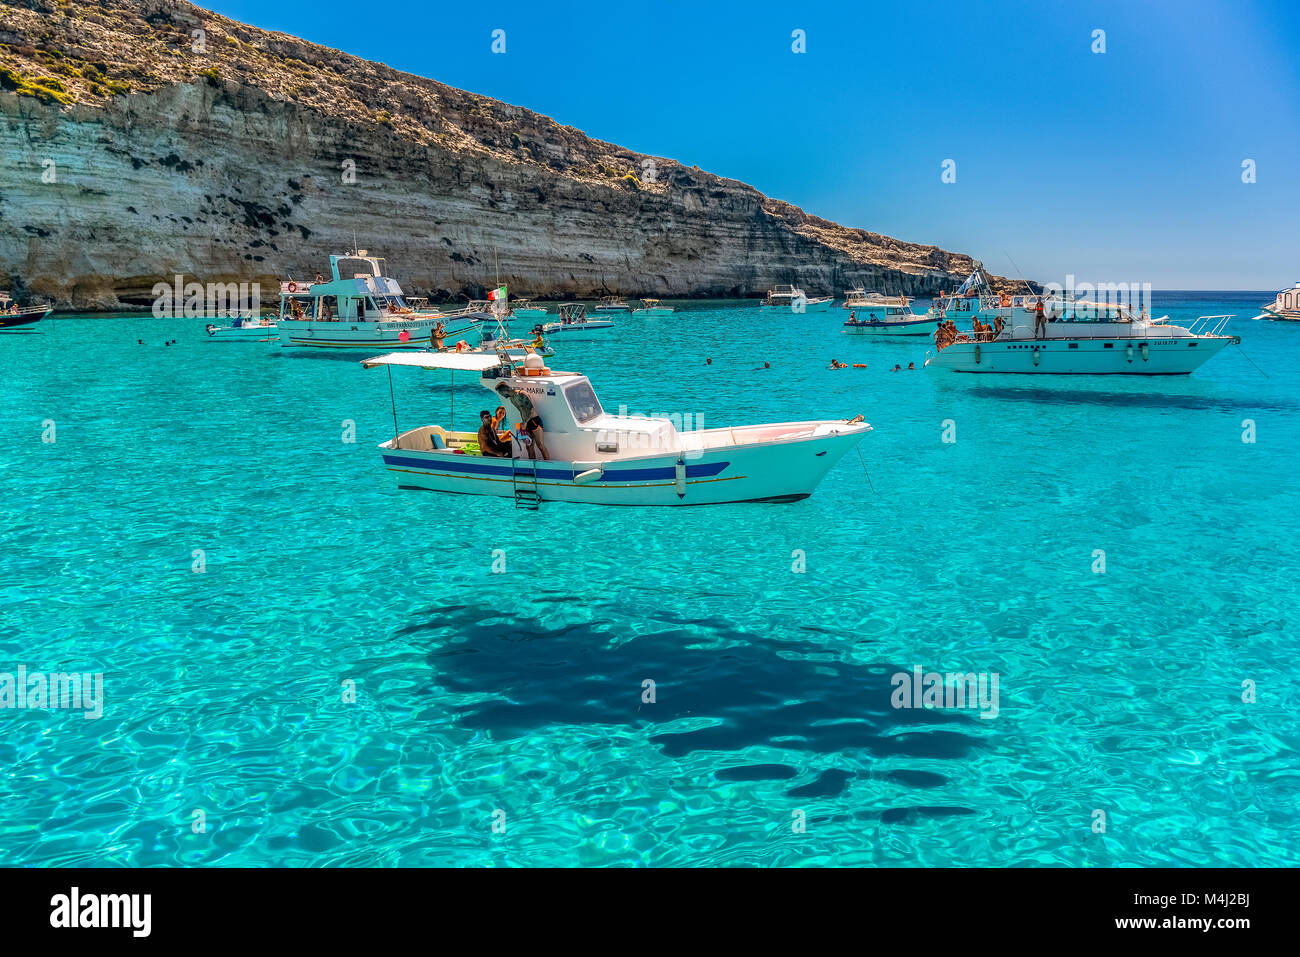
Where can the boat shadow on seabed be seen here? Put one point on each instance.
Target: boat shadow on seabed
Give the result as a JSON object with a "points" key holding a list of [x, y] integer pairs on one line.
{"points": [[756, 692]]}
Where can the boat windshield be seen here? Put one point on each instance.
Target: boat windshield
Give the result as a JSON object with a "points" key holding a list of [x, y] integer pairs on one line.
{"points": [[582, 400]]}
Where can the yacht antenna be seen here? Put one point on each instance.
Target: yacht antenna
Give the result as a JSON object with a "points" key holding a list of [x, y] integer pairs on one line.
{"points": [[1017, 269]]}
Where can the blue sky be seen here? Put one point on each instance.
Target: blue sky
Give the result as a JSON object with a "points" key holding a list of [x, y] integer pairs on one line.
{"points": [[1122, 166]]}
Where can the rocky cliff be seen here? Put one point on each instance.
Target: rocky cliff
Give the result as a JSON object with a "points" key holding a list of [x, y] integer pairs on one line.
{"points": [[147, 138]]}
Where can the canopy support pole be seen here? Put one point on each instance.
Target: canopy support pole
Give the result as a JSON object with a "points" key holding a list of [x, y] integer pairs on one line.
{"points": [[393, 402]]}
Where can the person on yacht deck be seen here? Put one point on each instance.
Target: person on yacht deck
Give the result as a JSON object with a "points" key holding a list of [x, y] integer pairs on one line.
{"points": [[1040, 320]]}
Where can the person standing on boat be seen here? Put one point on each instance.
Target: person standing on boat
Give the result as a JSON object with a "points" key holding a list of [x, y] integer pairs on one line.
{"points": [[530, 421], [1040, 320], [437, 336]]}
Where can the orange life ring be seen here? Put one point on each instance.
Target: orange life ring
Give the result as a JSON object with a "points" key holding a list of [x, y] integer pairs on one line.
{"points": [[293, 287]]}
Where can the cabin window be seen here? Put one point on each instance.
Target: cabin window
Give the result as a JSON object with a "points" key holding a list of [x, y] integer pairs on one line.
{"points": [[1074, 345], [1110, 345], [329, 307], [1290, 300], [582, 400]]}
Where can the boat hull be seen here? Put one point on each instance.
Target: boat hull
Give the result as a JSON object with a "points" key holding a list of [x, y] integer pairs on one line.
{"points": [[244, 333], [573, 328], [784, 471], [24, 320], [1170, 355], [810, 305], [301, 334]]}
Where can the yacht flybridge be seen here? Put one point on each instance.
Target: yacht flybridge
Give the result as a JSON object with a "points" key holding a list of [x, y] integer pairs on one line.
{"points": [[605, 459], [1079, 338], [358, 307]]}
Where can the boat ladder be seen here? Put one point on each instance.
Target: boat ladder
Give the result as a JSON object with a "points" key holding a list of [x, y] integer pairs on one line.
{"points": [[524, 482]]}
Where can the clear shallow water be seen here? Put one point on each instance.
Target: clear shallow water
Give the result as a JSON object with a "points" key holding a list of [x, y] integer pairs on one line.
{"points": [[522, 691]]}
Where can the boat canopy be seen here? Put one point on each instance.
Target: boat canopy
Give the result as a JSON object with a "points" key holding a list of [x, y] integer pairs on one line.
{"points": [[457, 361]]}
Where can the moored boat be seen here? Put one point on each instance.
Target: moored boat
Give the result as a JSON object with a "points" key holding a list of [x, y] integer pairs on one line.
{"points": [[877, 315], [1285, 308], [16, 318], [1081, 338], [358, 307], [605, 459], [524, 309], [245, 329], [612, 304], [573, 319], [652, 307], [792, 298]]}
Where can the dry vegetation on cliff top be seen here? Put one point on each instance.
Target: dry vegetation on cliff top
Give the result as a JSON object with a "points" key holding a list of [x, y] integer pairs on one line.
{"points": [[67, 52]]}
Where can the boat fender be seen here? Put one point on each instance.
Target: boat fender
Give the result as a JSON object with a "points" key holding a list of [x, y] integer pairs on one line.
{"points": [[680, 479], [1129, 352], [589, 476], [1145, 351], [977, 355], [1035, 356]]}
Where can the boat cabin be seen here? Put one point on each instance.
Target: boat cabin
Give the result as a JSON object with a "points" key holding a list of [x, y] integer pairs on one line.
{"points": [[357, 291], [577, 427]]}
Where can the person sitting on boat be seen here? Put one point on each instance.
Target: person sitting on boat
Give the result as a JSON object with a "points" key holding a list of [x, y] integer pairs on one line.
{"points": [[531, 422], [853, 318], [1040, 320], [489, 442], [998, 325]]}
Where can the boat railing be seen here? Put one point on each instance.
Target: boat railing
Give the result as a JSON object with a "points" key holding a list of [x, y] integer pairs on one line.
{"points": [[1209, 325]]}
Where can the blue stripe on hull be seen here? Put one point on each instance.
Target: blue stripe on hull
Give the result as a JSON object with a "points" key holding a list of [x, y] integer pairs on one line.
{"points": [[474, 465]]}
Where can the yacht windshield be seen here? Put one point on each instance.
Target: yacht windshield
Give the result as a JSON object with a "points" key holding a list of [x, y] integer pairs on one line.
{"points": [[583, 402]]}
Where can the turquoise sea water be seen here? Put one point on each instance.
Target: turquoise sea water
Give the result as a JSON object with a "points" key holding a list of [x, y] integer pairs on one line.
{"points": [[522, 691]]}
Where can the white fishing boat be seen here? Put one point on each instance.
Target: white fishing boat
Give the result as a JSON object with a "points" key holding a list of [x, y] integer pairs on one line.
{"points": [[1081, 338], [605, 459], [358, 307], [1285, 308], [245, 329], [612, 304], [574, 319], [876, 315], [524, 309], [16, 318], [651, 308], [793, 299]]}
